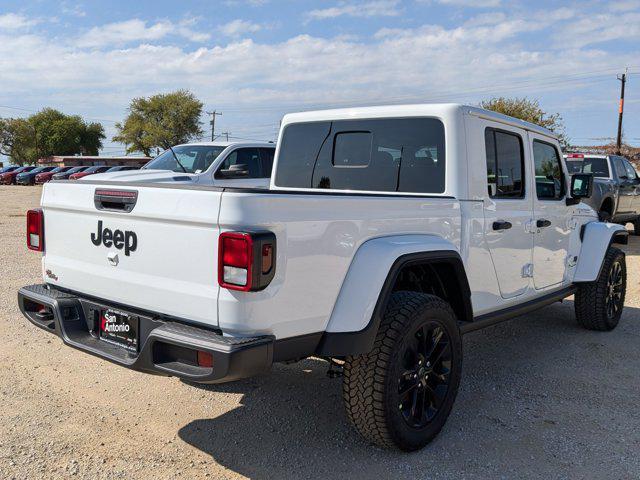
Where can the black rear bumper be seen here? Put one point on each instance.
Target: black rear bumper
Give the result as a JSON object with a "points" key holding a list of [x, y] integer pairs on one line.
{"points": [[165, 347]]}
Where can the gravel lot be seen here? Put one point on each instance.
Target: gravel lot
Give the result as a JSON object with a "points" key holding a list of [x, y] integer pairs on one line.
{"points": [[540, 398]]}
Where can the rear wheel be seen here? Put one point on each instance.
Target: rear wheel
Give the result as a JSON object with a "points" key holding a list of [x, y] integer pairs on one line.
{"points": [[401, 393], [604, 216], [599, 304]]}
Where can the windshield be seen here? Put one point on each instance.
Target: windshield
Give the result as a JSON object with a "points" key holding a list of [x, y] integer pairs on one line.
{"points": [[597, 166], [194, 158], [76, 169]]}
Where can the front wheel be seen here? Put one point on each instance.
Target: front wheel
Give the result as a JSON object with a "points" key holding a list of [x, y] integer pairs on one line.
{"points": [[599, 304], [401, 392]]}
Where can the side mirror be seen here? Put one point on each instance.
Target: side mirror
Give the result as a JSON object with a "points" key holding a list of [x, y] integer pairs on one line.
{"points": [[581, 185], [234, 171]]}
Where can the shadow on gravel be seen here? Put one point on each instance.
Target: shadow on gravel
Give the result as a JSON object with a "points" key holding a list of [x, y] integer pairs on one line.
{"points": [[517, 379]]}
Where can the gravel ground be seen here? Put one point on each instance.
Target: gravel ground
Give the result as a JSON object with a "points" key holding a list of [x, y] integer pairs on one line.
{"points": [[540, 398]]}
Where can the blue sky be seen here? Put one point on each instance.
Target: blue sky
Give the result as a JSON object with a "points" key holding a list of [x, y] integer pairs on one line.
{"points": [[255, 60]]}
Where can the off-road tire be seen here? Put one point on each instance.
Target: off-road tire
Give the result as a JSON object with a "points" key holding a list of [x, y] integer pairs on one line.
{"points": [[372, 381], [591, 298], [604, 216]]}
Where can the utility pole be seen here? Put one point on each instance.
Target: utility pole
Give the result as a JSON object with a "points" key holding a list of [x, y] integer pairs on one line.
{"points": [[623, 81], [213, 123], [226, 134]]}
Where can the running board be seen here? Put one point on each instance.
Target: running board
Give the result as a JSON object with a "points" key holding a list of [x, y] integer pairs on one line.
{"points": [[492, 318]]}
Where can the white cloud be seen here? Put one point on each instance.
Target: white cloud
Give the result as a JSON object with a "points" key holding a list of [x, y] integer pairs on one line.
{"points": [[598, 28], [375, 8], [239, 28], [624, 5], [466, 3], [122, 33], [484, 56], [13, 21]]}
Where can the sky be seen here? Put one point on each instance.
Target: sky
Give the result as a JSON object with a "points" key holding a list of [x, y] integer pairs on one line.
{"points": [[255, 60]]}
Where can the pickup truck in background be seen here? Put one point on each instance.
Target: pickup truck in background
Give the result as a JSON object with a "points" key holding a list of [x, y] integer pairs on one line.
{"points": [[229, 164], [386, 234], [616, 186]]}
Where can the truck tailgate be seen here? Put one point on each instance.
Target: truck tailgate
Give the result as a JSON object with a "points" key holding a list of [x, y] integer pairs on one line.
{"points": [[171, 266]]}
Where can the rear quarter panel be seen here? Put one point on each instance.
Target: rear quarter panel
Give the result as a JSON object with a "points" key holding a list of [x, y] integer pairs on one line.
{"points": [[317, 238]]}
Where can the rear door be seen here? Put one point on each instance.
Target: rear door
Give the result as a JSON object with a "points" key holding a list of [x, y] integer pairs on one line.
{"points": [[552, 217], [633, 187], [161, 256], [508, 208], [625, 188]]}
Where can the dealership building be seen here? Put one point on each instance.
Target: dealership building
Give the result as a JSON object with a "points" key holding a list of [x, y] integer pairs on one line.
{"points": [[91, 160]]}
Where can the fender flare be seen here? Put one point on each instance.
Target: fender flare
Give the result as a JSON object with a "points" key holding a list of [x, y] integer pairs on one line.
{"points": [[368, 285], [596, 238]]}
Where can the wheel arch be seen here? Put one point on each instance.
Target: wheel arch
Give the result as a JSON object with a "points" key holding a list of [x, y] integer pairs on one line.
{"points": [[372, 278], [596, 238], [607, 205]]}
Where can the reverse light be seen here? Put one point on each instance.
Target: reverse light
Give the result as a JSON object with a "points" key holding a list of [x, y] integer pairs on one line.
{"points": [[35, 230], [246, 261]]}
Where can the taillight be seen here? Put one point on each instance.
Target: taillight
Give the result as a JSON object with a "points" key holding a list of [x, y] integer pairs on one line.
{"points": [[246, 261], [35, 230]]}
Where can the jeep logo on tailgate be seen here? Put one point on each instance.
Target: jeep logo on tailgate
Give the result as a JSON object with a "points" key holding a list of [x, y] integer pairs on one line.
{"points": [[119, 239]]}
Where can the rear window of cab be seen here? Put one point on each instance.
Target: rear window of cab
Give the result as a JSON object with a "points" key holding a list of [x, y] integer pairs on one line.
{"points": [[381, 155]]}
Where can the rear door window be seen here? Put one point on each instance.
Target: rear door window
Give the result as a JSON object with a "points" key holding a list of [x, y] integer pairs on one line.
{"points": [[505, 164], [266, 156]]}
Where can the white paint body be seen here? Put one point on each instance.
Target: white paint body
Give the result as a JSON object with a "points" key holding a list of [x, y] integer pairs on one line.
{"points": [[334, 250]]}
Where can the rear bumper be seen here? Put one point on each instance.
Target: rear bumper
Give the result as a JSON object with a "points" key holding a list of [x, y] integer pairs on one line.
{"points": [[165, 347]]}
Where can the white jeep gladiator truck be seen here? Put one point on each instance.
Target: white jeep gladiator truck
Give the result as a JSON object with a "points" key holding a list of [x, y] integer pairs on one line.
{"points": [[386, 234]]}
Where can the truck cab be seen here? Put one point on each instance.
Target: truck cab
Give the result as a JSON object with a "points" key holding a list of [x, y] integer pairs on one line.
{"points": [[616, 189]]}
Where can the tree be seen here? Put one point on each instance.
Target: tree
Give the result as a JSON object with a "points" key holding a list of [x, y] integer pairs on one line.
{"points": [[161, 121], [48, 132], [17, 140], [530, 111]]}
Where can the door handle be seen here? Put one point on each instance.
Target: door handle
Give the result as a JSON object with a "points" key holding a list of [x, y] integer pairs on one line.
{"points": [[502, 225], [542, 223]]}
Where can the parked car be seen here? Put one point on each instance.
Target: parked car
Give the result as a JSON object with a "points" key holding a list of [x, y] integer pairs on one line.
{"points": [[616, 186], [439, 226], [230, 164], [89, 171], [67, 173], [122, 168], [8, 169], [44, 177], [9, 177], [29, 177]]}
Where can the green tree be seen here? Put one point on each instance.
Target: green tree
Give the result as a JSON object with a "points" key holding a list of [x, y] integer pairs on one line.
{"points": [[48, 132], [161, 121], [17, 140], [530, 111]]}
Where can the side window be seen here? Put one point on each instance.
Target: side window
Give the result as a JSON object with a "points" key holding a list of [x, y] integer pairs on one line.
{"points": [[549, 178], [505, 164], [244, 156], [619, 167], [631, 172], [266, 155], [386, 155]]}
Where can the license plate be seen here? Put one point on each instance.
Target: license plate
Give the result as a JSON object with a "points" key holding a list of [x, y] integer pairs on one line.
{"points": [[119, 328]]}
